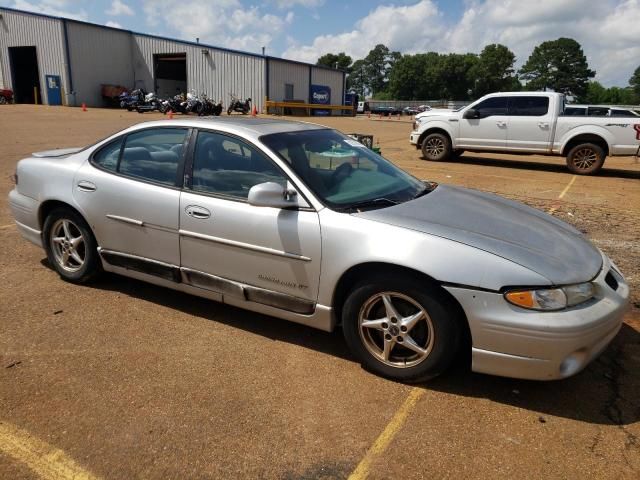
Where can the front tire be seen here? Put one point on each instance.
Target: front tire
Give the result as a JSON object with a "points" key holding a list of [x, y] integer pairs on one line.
{"points": [[585, 159], [436, 147], [70, 245], [399, 331]]}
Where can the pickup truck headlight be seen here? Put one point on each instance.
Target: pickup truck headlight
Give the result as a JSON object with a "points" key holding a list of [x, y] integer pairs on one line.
{"points": [[549, 299]]}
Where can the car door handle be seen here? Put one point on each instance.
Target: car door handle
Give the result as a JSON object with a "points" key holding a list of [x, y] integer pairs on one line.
{"points": [[501, 124], [198, 212], [543, 124], [86, 186]]}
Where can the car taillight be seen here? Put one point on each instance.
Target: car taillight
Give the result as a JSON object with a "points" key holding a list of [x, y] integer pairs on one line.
{"points": [[637, 129], [14, 178]]}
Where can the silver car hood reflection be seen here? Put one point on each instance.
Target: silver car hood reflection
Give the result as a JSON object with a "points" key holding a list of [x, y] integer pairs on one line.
{"points": [[508, 229]]}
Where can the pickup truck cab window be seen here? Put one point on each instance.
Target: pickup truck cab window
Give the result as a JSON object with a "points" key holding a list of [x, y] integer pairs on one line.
{"points": [[528, 106], [492, 106]]}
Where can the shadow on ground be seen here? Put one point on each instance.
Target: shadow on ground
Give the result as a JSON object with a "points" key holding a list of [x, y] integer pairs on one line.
{"points": [[604, 393], [474, 159]]}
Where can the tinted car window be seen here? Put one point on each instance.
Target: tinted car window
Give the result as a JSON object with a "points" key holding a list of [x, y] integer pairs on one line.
{"points": [[528, 106], [575, 111], [107, 156], [622, 113], [228, 166], [492, 106], [153, 154]]}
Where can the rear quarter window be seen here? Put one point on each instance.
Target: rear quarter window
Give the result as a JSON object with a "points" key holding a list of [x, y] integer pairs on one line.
{"points": [[528, 106]]}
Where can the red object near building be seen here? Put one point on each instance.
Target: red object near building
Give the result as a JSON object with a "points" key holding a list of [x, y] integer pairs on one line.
{"points": [[6, 95]]}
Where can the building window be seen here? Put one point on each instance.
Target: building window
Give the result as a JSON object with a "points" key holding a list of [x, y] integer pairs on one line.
{"points": [[288, 91]]}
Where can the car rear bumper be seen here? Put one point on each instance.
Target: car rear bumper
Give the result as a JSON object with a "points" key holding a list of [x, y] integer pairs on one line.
{"points": [[25, 213], [515, 342]]}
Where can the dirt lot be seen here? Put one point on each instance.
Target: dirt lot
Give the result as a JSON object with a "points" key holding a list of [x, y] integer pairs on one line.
{"points": [[124, 380]]}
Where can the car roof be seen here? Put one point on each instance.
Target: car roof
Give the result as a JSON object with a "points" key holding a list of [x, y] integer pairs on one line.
{"points": [[250, 127]]}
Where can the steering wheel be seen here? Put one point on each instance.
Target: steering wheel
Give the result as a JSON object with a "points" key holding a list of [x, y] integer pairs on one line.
{"points": [[342, 172]]}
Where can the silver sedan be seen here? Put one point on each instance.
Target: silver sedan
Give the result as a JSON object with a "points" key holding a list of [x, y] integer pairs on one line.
{"points": [[303, 223]]}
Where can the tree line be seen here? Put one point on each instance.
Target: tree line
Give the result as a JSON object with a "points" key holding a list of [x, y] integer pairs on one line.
{"points": [[559, 65]]}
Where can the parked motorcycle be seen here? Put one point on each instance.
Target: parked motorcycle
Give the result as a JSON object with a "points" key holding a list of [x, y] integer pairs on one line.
{"points": [[151, 103], [174, 104], [131, 100], [209, 107], [238, 105]]}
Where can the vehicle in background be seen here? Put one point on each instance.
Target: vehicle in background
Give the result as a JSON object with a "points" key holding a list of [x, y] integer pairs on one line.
{"points": [[238, 105], [599, 111], [411, 111], [303, 223], [518, 122], [6, 96], [363, 107]]}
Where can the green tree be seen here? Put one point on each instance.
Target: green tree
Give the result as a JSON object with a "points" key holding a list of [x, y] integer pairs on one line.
{"points": [[494, 71], [357, 79], [596, 93], [407, 79], [456, 75], [341, 61], [559, 65], [379, 63], [634, 82]]}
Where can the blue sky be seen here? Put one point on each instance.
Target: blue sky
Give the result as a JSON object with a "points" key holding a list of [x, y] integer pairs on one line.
{"points": [[305, 29]]}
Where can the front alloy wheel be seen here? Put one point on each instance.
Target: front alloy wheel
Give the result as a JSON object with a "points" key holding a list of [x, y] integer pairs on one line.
{"points": [[401, 327], [396, 329], [436, 147]]}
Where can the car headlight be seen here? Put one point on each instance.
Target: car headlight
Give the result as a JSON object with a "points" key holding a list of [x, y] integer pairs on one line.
{"points": [[551, 298]]}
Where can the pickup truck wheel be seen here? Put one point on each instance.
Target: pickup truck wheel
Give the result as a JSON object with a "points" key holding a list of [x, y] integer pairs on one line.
{"points": [[398, 330], [585, 159], [436, 147]]}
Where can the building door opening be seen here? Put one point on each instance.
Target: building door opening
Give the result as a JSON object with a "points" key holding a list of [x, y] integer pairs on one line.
{"points": [[170, 71], [25, 75]]}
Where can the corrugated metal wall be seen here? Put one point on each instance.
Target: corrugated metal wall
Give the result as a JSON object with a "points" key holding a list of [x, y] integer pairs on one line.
{"points": [[331, 79], [24, 30], [281, 73], [98, 56], [218, 74]]}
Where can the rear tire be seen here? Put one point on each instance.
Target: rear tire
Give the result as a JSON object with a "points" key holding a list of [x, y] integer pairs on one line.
{"points": [[436, 147], [585, 159], [387, 341], [70, 245]]}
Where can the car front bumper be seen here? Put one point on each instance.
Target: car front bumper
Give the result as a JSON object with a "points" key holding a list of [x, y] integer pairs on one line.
{"points": [[515, 342], [413, 138], [25, 213]]}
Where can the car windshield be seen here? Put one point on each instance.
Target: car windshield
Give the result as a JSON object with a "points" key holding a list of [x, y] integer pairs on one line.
{"points": [[342, 172]]}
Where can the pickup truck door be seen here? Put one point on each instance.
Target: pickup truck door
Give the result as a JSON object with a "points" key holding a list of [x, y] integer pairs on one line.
{"points": [[489, 131], [530, 124]]}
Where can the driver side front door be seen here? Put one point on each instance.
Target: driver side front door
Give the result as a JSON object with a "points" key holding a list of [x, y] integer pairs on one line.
{"points": [[489, 132], [224, 241]]}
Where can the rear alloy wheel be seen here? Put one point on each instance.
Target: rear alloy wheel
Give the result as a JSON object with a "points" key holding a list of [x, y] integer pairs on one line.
{"points": [[585, 159], [398, 331], [436, 147], [70, 245]]}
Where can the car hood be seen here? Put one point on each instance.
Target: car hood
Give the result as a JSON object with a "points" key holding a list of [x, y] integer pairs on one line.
{"points": [[502, 227], [436, 112]]}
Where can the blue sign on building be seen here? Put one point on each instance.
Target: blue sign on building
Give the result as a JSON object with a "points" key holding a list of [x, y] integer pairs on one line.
{"points": [[320, 94]]}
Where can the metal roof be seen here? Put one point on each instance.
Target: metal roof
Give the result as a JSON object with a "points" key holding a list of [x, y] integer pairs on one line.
{"points": [[184, 42]]}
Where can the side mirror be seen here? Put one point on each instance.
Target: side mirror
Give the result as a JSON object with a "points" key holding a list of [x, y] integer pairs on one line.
{"points": [[471, 113], [271, 194]]}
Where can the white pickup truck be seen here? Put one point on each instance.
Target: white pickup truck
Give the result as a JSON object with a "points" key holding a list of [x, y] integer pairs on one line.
{"points": [[525, 122]]}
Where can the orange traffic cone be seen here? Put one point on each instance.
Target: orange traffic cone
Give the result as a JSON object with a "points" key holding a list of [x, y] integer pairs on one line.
{"points": [[369, 114], [254, 112], [170, 114], [84, 107]]}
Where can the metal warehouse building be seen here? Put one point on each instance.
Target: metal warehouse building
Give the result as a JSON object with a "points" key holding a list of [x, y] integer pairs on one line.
{"points": [[60, 61]]}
